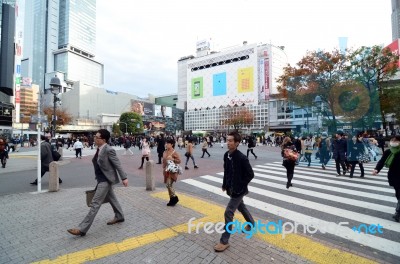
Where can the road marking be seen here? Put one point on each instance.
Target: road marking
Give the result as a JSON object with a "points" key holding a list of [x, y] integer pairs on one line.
{"points": [[296, 244], [344, 232]]}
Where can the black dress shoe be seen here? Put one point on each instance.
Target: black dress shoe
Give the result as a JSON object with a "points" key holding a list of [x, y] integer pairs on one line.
{"points": [[59, 180], [34, 183]]}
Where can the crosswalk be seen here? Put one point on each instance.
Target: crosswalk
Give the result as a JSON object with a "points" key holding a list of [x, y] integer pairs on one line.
{"points": [[320, 198]]}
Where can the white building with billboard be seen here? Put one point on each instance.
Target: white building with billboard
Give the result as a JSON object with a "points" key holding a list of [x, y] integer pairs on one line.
{"points": [[241, 77]]}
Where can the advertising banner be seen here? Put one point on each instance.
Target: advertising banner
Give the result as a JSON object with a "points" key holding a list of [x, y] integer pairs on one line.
{"points": [[142, 108], [197, 88], [219, 84], [245, 80], [162, 111]]}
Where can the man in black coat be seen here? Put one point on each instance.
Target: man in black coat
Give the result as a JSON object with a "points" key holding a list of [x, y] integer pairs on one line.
{"points": [[237, 175], [339, 152], [160, 147]]}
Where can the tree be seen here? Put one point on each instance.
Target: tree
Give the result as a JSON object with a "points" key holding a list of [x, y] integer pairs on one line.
{"points": [[238, 117], [317, 73], [131, 122], [63, 117], [374, 66]]}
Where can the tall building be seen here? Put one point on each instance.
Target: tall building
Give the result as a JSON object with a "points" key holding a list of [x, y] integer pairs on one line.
{"points": [[395, 19], [7, 51], [61, 38]]}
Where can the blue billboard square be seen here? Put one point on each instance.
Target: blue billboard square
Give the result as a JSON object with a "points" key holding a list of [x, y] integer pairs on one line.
{"points": [[219, 84]]}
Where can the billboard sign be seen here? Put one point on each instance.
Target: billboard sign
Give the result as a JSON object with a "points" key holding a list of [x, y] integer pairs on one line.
{"points": [[162, 111], [224, 78], [142, 108]]}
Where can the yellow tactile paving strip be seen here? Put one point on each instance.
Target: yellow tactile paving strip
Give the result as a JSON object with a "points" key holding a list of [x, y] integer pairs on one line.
{"points": [[295, 244]]}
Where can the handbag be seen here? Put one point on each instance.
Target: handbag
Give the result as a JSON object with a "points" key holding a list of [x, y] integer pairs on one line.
{"points": [[363, 158], [90, 195], [187, 154], [56, 155], [291, 154]]}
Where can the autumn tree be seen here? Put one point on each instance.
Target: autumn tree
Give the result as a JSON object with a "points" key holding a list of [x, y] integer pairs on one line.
{"points": [[347, 83], [63, 117], [372, 67], [238, 117], [131, 122], [317, 73]]}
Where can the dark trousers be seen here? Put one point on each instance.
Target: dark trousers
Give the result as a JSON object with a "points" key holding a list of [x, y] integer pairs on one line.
{"points": [[204, 152], [233, 205], [340, 162], [308, 157], [147, 158], [252, 152], [159, 157], [353, 166], [78, 152], [289, 165]]}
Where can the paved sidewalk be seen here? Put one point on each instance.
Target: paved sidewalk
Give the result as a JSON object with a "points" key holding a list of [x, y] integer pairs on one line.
{"points": [[33, 229]]}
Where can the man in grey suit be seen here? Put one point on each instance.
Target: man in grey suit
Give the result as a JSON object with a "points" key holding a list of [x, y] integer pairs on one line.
{"points": [[107, 167]]}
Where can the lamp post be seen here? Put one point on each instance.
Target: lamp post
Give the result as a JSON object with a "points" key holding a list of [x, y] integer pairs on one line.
{"points": [[126, 127], [22, 129], [318, 102], [55, 89]]}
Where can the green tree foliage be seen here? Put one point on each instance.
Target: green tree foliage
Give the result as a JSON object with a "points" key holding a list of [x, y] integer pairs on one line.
{"points": [[131, 122]]}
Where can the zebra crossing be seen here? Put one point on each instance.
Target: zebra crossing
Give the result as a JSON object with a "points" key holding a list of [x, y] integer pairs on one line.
{"points": [[320, 198]]}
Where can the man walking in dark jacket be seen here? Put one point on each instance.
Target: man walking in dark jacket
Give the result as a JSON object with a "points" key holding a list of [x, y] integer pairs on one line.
{"points": [[160, 147], [237, 175], [339, 152]]}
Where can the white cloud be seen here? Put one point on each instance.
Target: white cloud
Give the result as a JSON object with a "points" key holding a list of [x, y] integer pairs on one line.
{"points": [[140, 41]]}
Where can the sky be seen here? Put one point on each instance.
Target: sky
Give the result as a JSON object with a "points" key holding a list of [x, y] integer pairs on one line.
{"points": [[140, 42]]}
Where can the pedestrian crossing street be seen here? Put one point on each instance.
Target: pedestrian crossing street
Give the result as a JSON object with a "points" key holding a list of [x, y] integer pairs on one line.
{"points": [[321, 198]]}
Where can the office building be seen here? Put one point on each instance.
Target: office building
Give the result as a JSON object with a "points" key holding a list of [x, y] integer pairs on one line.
{"points": [[61, 38]]}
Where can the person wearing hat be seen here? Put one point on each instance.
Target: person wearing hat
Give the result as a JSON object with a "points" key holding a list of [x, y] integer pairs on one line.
{"points": [[324, 149], [339, 152]]}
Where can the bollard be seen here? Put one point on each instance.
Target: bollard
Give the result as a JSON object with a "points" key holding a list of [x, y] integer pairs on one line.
{"points": [[150, 185], [53, 178]]}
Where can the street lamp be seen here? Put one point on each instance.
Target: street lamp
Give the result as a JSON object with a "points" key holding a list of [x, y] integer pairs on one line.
{"points": [[126, 127], [318, 102], [22, 129], [55, 89]]}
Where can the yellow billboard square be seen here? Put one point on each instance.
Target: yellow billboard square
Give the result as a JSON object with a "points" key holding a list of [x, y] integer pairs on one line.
{"points": [[245, 80]]}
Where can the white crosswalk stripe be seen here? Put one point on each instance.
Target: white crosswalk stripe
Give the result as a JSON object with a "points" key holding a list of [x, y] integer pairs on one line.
{"points": [[318, 196]]}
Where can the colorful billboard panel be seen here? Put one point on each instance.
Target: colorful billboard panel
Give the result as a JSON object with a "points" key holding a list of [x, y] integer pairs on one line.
{"points": [[197, 88], [394, 47], [162, 111], [142, 108], [153, 126], [245, 80], [219, 84]]}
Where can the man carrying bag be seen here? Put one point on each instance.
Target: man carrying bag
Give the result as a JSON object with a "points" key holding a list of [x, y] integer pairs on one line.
{"points": [[107, 167]]}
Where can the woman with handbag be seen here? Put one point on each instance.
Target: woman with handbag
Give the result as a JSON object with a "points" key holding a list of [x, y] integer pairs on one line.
{"points": [[145, 151], [308, 149], [356, 154], [171, 170], [289, 155], [391, 159], [189, 154]]}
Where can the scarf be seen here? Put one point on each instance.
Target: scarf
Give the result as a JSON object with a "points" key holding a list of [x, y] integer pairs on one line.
{"points": [[393, 152]]}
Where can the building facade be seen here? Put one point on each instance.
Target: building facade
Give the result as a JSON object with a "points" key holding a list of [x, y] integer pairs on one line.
{"points": [[219, 83]]}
